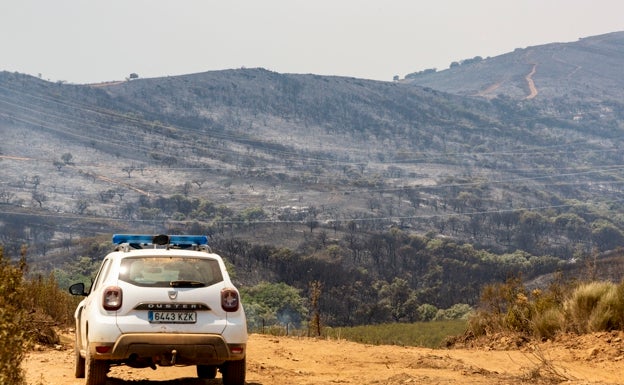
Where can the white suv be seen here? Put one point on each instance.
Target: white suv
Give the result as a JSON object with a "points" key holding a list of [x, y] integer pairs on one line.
{"points": [[161, 300]]}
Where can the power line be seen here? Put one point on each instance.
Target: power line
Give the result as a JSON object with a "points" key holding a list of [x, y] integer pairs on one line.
{"points": [[424, 156]]}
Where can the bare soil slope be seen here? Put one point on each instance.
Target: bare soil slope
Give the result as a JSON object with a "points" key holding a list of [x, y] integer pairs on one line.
{"points": [[594, 359]]}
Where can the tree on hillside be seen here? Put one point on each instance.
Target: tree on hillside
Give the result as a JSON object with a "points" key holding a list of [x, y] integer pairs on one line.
{"points": [[6, 196], [36, 181], [81, 206], [315, 297], [399, 299], [606, 235], [532, 227], [270, 303], [129, 170], [107, 195], [42, 235], [311, 218], [67, 158], [39, 197], [58, 164]]}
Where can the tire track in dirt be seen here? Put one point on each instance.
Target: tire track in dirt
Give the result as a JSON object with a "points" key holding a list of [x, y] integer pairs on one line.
{"points": [[96, 176], [529, 78], [129, 186], [489, 90], [15, 157]]}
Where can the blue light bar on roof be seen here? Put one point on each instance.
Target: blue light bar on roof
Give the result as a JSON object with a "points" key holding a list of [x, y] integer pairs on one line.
{"points": [[188, 239], [146, 239]]}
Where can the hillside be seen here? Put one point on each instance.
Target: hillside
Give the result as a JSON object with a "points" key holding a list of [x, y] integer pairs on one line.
{"points": [[588, 70], [303, 177]]}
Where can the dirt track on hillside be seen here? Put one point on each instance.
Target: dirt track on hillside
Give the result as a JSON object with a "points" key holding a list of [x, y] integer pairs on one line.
{"points": [[595, 359], [531, 83]]}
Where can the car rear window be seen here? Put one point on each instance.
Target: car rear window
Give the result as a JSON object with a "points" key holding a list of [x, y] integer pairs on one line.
{"points": [[170, 271]]}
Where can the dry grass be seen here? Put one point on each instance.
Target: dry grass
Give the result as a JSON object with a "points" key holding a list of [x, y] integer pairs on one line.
{"points": [[582, 308]]}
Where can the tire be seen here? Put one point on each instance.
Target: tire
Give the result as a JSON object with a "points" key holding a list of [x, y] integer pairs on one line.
{"points": [[206, 371], [96, 371], [234, 372], [79, 366]]}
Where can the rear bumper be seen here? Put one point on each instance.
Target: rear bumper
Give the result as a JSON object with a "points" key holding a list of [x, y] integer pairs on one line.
{"points": [[183, 349]]}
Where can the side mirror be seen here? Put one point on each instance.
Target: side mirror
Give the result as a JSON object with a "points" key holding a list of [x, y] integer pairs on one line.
{"points": [[78, 289]]}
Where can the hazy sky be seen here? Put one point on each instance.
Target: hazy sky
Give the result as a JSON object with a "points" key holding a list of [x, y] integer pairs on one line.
{"points": [[83, 41]]}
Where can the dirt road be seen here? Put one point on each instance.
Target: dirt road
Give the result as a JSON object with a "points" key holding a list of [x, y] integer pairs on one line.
{"points": [[595, 359], [531, 83]]}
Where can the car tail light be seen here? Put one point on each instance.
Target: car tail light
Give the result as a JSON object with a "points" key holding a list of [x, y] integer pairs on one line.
{"points": [[102, 349], [229, 300], [112, 298], [236, 349]]}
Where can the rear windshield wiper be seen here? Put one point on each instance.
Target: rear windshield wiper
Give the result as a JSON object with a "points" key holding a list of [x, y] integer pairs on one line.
{"points": [[182, 283]]}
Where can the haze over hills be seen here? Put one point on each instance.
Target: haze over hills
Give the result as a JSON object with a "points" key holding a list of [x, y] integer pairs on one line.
{"points": [[345, 171]]}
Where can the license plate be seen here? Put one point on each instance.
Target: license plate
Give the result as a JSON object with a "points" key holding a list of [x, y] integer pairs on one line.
{"points": [[172, 317]]}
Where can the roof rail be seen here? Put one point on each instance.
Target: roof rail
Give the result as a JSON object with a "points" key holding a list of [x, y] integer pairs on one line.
{"points": [[160, 239]]}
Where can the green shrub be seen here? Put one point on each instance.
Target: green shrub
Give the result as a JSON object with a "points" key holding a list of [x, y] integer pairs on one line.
{"points": [[510, 307], [268, 304], [13, 341], [607, 314], [548, 322], [47, 299], [30, 309], [590, 307], [580, 308], [457, 311], [619, 306], [519, 315], [502, 307], [426, 334], [482, 323]]}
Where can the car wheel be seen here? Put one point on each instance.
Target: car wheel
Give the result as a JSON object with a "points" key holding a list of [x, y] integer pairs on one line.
{"points": [[206, 371], [96, 371], [79, 367], [234, 372]]}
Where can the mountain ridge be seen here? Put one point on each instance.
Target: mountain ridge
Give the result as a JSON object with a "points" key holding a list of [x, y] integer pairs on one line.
{"points": [[336, 175], [560, 70]]}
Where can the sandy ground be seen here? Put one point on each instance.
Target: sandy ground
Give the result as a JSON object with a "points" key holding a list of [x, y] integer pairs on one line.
{"points": [[592, 359]]}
